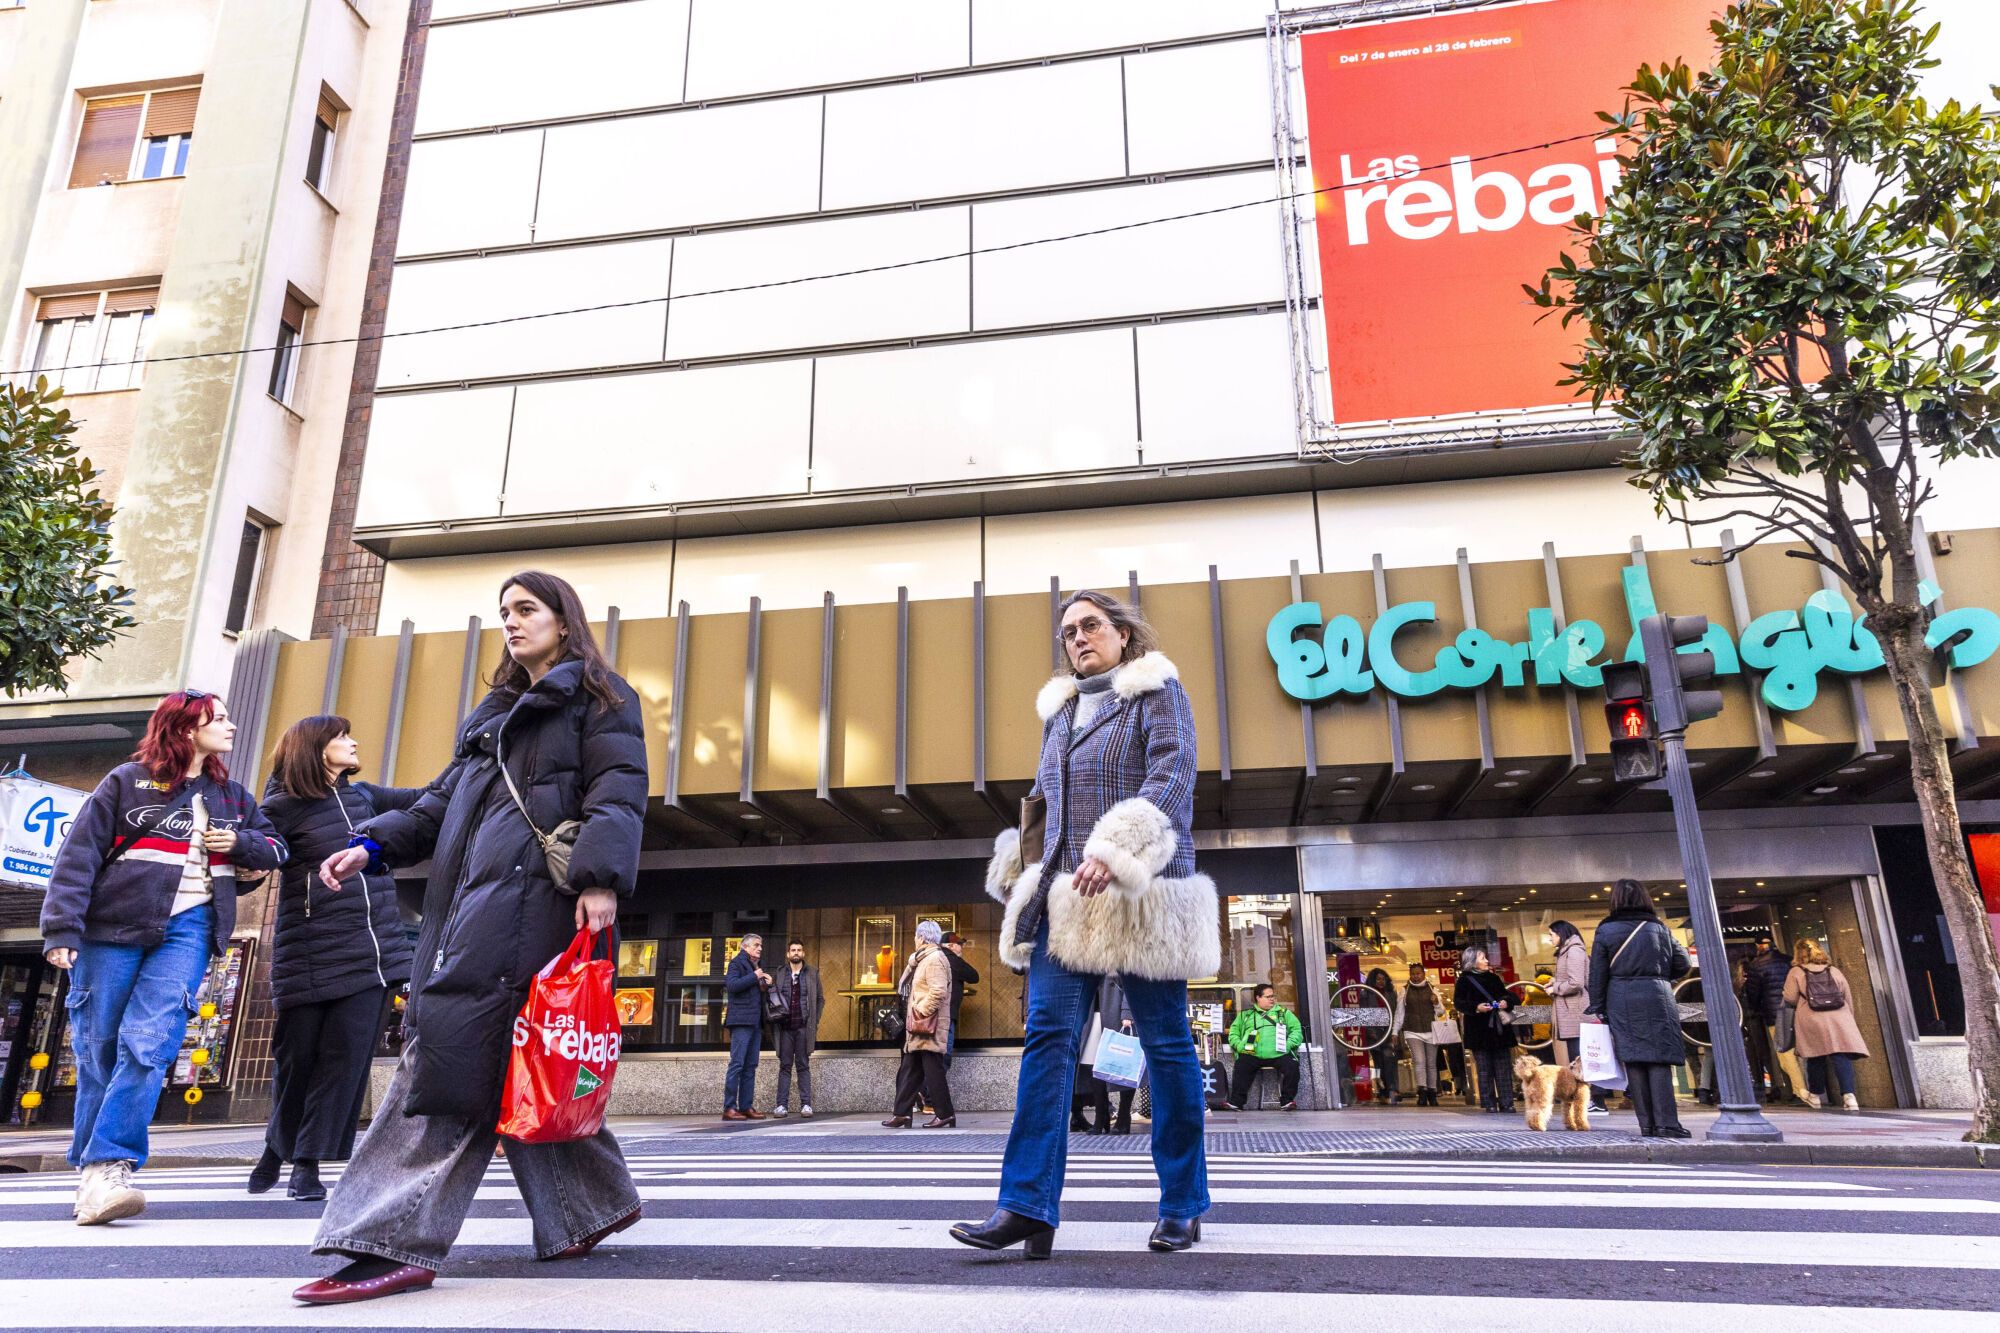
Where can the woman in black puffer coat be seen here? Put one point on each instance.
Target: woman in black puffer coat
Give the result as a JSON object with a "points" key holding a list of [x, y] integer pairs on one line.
{"points": [[569, 733], [1634, 961], [335, 958]]}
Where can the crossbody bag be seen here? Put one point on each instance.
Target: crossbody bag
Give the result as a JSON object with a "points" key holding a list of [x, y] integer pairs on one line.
{"points": [[558, 842]]}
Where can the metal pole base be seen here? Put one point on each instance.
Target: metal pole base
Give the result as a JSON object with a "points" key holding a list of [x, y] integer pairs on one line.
{"points": [[1743, 1124]]}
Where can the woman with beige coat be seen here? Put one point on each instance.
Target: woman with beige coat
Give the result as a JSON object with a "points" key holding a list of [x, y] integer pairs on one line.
{"points": [[926, 992], [1824, 1032], [1570, 990]]}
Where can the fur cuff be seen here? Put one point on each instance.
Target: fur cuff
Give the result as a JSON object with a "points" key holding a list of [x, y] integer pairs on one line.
{"points": [[1136, 840], [1005, 867]]}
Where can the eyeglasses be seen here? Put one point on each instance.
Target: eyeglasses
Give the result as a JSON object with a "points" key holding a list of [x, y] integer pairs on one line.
{"points": [[1089, 626], [193, 696]]}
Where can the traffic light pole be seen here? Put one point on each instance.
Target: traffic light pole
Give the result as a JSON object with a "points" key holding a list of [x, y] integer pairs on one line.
{"points": [[1741, 1119]]}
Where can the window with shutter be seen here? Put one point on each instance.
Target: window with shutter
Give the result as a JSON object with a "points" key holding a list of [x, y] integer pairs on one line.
{"points": [[169, 133], [94, 341], [104, 147], [319, 155], [285, 356]]}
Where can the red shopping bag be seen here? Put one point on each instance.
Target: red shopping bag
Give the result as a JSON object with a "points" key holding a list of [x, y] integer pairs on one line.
{"points": [[565, 1050]]}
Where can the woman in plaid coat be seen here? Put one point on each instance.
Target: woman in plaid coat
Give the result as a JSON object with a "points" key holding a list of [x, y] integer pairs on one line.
{"points": [[1112, 889]]}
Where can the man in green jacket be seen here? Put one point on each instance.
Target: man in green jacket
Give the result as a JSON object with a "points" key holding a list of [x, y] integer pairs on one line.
{"points": [[1265, 1036]]}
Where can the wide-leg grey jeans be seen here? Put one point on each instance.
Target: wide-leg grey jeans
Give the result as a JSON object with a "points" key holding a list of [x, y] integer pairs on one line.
{"points": [[413, 1178]]}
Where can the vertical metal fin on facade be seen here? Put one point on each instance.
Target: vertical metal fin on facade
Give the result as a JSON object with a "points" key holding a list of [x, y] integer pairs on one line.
{"points": [[1481, 698], [1309, 777], [1569, 691], [468, 675], [1739, 611], [1966, 737], [252, 674], [1132, 587], [399, 694], [1217, 646], [1055, 624], [1864, 725], [677, 708], [336, 655], [825, 789], [1397, 765], [611, 618]]}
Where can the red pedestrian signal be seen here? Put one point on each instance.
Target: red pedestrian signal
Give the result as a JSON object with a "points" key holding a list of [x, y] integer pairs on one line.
{"points": [[1628, 713]]}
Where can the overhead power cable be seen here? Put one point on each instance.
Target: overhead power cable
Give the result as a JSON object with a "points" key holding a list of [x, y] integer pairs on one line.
{"points": [[823, 277]]}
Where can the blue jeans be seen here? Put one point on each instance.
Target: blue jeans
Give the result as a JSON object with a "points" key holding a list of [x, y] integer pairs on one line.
{"points": [[739, 1085], [1824, 1071], [1059, 1000], [129, 1006]]}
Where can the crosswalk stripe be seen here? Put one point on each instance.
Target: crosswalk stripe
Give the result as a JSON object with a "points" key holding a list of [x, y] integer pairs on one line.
{"points": [[1214, 1175], [587, 1304], [1856, 1249], [1317, 1195]]}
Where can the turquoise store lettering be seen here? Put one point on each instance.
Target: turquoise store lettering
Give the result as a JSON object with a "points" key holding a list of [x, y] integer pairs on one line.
{"points": [[1790, 648]]}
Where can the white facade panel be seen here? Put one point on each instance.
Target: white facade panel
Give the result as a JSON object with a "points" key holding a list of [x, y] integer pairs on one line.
{"points": [[472, 192], [644, 173], [899, 303], [459, 291], [857, 565], [1224, 259], [738, 48], [1166, 543], [1493, 518], [671, 436], [1201, 106], [1005, 130], [434, 457], [440, 592], [1010, 407], [558, 62], [1216, 388], [1023, 29]]}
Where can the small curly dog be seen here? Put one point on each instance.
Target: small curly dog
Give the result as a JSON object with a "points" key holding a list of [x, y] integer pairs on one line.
{"points": [[1548, 1086]]}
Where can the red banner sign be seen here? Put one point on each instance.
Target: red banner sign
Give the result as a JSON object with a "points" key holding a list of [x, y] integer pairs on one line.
{"points": [[1435, 209]]}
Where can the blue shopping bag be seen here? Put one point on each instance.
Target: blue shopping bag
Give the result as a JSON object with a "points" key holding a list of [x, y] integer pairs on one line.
{"points": [[1120, 1061]]}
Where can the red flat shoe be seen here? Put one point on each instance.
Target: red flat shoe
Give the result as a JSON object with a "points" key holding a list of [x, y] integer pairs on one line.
{"points": [[332, 1291], [597, 1237]]}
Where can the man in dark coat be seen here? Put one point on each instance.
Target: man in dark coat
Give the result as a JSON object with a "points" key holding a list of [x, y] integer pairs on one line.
{"points": [[1763, 996], [963, 974], [797, 1033], [744, 985]]}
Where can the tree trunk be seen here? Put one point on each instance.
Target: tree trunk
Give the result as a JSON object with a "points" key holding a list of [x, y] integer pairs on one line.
{"points": [[1908, 661]]}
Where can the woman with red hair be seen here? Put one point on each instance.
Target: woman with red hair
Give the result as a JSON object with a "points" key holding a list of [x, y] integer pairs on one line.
{"points": [[143, 893]]}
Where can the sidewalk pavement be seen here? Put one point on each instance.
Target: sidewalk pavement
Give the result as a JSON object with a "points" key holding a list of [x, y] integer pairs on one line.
{"points": [[1821, 1138]]}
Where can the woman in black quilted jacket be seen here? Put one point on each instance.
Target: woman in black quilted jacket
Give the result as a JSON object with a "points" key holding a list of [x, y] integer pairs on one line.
{"points": [[336, 956], [569, 734]]}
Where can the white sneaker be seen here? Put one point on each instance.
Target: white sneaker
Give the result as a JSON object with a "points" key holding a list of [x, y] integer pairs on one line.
{"points": [[1847, 1103], [805, 1112], [105, 1194], [777, 1113], [1812, 1099]]}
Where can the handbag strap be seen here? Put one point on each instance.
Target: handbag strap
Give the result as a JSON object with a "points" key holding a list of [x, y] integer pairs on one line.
{"points": [[500, 757], [1628, 940]]}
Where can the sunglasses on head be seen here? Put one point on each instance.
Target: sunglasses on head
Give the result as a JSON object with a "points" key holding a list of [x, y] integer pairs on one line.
{"points": [[193, 696]]}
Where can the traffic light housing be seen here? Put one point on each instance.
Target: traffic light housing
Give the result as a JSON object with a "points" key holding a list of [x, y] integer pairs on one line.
{"points": [[1628, 713], [1681, 685]]}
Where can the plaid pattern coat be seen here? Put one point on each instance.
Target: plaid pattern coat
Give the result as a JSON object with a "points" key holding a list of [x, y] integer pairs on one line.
{"points": [[1122, 791]]}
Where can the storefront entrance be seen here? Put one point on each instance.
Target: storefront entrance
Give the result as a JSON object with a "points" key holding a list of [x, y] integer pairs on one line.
{"points": [[1374, 946]]}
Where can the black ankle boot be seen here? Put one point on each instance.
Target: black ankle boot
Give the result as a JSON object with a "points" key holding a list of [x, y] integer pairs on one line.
{"points": [[1174, 1233], [305, 1185], [265, 1174], [1005, 1229], [1123, 1125]]}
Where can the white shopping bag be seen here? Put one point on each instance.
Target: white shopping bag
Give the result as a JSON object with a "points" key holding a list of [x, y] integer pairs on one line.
{"points": [[1120, 1062], [1600, 1057]]}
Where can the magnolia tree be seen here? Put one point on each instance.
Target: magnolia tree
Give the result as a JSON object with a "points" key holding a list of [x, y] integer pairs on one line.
{"points": [[1793, 299], [57, 601]]}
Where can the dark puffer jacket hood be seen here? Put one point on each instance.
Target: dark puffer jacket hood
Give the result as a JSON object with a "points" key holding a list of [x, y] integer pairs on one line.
{"points": [[492, 916], [329, 945]]}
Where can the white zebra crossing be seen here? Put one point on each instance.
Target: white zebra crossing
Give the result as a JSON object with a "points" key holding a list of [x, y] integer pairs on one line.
{"points": [[833, 1211]]}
